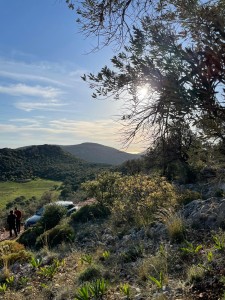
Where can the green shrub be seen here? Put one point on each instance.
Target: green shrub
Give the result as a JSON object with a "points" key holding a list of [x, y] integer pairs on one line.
{"points": [[93, 290], [28, 238], [219, 193], [188, 195], [132, 254], [50, 270], [52, 215], [195, 273], [90, 212], [91, 273], [55, 236]]}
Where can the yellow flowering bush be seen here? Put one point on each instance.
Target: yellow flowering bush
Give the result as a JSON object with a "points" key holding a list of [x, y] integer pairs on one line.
{"points": [[139, 196], [131, 198], [10, 251]]}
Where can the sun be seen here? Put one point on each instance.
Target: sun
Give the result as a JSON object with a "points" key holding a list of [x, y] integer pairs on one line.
{"points": [[142, 91]]}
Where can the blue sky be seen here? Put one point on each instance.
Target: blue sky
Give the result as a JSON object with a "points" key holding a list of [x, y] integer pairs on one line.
{"points": [[43, 100]]}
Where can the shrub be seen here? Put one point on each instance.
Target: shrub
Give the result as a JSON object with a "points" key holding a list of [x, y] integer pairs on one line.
{"points": [[91, 273], [132, 254], [154, 264], [57, 235], [195, 273], [28, 238], [219, 193], [52, 215], [90, 212], [11, 251], [103, 188], [139, 197], [188, 195]]}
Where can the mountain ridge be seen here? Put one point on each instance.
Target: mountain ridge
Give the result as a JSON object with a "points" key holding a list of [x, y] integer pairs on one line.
{"points": [[44, 161], [98, 153]]}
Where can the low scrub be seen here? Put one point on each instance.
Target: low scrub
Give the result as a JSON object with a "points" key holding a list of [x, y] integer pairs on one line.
{"points": [[90, 212], [91, 273], [29, 237], [11, 251], [187, 196], [55, 236]]}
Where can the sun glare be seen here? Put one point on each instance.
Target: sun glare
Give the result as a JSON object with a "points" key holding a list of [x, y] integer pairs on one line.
{"points": [[142, 91]]}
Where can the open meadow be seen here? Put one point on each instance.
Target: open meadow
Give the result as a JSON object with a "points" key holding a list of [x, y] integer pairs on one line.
{"points": [[10, 190]]}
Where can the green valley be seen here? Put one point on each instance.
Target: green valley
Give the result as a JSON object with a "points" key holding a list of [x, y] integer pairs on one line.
{"points": [[34, 188]]}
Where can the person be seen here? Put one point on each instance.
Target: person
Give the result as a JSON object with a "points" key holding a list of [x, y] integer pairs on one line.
{"points": [[11, 220], [18, 215]]}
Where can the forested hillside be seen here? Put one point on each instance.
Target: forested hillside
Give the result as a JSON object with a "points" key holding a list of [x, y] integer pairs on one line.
{"points": [[45, 161]]}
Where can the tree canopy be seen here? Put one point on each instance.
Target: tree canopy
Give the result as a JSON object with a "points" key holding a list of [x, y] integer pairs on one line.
{"points": [[176, 54], [112, 20]]}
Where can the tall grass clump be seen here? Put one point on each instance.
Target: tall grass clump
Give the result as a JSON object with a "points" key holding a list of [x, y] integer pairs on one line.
{"points": [[174, 223]]}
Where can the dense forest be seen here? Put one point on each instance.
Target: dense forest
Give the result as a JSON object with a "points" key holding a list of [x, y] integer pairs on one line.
{"points": [[45, 161]]}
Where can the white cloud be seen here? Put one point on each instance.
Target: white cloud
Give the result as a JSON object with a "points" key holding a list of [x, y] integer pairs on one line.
{"points": [[48, 72], [63, 132], [27, 90], [51, 105], [29, 77], [31, 123]]}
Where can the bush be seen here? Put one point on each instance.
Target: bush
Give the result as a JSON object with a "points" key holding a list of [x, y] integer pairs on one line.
{"points": [[11, 251], [57, 235], [52, 215], [28, 238], [132, 254], [188, 195], [139, 198], [91, 273], [90, 212]]}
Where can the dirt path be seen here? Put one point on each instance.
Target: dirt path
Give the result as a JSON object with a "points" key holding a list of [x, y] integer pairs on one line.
{"points": [[4, 235]]}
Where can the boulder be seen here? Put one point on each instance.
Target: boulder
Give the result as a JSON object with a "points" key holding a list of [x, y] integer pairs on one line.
{"points": [[205, 214]]}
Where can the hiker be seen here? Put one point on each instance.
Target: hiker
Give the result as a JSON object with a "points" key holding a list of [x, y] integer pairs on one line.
{"points": [[11, 220], [18, 214]]}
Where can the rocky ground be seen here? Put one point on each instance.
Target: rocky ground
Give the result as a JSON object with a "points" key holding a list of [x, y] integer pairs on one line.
{"points": [[191, 267]]}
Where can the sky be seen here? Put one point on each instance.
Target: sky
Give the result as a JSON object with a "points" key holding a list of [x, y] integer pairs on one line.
{"points": [[43, 100]]}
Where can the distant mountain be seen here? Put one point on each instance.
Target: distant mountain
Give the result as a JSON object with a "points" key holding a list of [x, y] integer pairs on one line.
{"points": [[97, 153], [45, 161]]}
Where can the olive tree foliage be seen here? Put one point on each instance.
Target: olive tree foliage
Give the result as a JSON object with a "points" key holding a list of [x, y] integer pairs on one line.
{"points": [[112, 20], [178, 56]]}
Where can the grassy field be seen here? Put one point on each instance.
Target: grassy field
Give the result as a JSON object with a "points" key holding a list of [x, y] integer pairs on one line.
{"points": [[10, 190]]}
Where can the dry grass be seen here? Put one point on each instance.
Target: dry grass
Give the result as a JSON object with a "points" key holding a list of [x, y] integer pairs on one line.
{"points": [[174, 223]]}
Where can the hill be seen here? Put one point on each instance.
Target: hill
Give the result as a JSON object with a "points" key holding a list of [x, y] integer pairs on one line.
{"points": [[45, 161], [97, 153]]}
